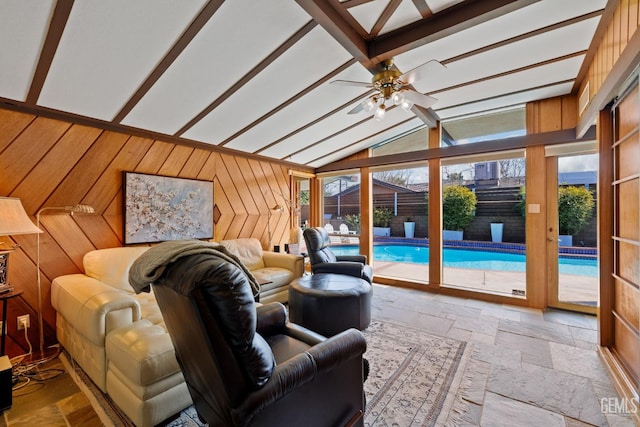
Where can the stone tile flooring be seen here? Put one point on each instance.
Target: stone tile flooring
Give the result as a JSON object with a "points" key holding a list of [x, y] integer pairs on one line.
{"points": [[51, 398], [525, 367]]}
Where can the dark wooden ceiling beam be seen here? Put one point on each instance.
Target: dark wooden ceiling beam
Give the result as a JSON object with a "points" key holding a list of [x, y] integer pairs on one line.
{"points": [[352, 3], [335, 24], [187, 36], [423, 8], [384, 17], [457, 18], [51, 42]]}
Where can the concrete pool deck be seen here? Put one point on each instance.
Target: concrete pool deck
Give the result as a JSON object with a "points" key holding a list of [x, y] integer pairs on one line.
{"points": [[572, 288]]}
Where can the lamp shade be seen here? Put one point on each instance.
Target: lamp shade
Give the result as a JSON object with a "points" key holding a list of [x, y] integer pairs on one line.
{"points": [[13, 218]]}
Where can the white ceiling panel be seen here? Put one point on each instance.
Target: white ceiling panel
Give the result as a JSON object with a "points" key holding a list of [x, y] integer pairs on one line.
{"points": [[307, 61], [405, 14], [493, 62], [314, 132], [522, 21], [505, 101], [367, 14], [296, 115], [95, 59], [438, 5], [355, 134], [539, 76], [240, 34], [386, 135], [108, 48], [22, 31]]}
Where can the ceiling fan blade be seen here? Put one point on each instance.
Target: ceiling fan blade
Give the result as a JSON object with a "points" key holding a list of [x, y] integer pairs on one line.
{"points": [[356, 109], [424, 101], [421, 71], [351, 83]]}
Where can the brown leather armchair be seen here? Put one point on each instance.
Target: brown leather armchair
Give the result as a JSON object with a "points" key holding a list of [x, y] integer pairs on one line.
{"points": [[247, 366], [323, 260]]}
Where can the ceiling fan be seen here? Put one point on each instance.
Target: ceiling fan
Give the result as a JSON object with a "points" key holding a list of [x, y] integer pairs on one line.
{"points": [[392, 87]]}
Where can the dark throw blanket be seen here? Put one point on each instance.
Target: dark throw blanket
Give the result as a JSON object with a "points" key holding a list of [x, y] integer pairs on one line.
{"points": [[151, 264]]}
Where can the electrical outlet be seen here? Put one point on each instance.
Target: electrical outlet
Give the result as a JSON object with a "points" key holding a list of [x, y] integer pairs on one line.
{"points": [[23, 322]]}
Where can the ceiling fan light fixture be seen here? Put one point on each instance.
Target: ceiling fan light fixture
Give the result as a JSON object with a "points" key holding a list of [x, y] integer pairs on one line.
{"points": [[397, 98], [368, 104], [380, 112], [406, 105]]}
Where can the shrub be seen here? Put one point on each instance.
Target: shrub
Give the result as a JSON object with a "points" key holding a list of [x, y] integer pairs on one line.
{"points": [[458, 207], [382, 217], [575, 207], [354, 222]]}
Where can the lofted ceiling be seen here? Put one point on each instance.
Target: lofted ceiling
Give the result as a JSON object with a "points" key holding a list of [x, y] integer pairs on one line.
{"points": [[254, 76]]}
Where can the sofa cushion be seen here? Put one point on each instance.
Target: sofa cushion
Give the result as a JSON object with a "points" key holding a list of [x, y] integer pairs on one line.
{"points": [[143, 352], [149, 309], [273, 277], [248, 250], [111, 266]]}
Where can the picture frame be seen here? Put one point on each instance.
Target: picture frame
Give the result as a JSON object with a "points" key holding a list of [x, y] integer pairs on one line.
{"points": [[158, 208]]}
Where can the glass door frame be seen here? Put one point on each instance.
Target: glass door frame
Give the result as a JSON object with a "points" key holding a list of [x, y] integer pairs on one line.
{"points": [[552, 244]]}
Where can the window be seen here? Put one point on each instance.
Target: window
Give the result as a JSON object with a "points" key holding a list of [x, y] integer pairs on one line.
{"points": [[485, 127], [483, 223]]}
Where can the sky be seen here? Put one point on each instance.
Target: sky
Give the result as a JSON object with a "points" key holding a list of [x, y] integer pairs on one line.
{"points": [[580, 163]]}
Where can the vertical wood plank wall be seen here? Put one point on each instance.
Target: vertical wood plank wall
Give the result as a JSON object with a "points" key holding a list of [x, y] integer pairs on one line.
{"points": [[542, 116], [47, 162], [623, 26]]}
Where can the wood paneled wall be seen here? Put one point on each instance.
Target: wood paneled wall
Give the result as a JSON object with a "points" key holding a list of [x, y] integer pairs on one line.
{"points": [[623, 26], [47, 162], [626, 234], [552, 114]]}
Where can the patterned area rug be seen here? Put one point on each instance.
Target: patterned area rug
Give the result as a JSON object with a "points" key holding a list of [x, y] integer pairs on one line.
{"points": [[411, 376]]}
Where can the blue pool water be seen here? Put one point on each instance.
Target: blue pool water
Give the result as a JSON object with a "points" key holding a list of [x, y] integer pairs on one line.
{"points": [[464, 258]]}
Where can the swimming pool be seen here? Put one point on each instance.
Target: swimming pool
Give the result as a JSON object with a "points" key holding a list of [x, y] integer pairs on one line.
{"points": [[470, 258]]}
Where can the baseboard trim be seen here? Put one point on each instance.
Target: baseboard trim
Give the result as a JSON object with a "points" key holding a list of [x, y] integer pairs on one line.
{"points": [[620, 378]]}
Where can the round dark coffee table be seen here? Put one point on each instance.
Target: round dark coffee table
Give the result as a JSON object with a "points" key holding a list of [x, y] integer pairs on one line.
{"points": [[330, 303]]}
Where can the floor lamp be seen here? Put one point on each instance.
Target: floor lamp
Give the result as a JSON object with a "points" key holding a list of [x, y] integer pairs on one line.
{"points": [[52, 352], [276, 208], [13, 220]]}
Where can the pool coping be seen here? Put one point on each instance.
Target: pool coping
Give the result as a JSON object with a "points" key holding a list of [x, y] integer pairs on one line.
{"points": [[520, 248]]}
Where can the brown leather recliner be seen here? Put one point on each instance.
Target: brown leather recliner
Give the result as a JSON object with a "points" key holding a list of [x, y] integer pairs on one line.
{"points": [[247, 366], [323, 260]]}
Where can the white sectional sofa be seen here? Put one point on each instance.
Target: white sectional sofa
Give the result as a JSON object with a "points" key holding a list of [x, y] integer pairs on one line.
{"points": [[119, 338]]}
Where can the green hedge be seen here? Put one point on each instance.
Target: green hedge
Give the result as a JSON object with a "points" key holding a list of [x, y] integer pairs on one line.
{"points": [[458, 207], [575, 208]]}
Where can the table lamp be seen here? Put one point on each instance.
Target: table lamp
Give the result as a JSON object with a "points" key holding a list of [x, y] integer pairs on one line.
{"points": [[13, 220]]}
